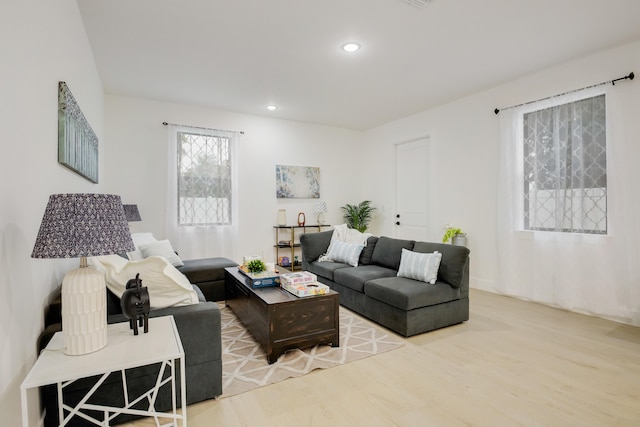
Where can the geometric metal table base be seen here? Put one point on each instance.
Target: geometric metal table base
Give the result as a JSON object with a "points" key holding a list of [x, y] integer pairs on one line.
{"points": [[66, 413]]}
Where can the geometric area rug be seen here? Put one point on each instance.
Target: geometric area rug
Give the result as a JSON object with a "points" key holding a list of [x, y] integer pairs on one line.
{"points": [[245, 366]]}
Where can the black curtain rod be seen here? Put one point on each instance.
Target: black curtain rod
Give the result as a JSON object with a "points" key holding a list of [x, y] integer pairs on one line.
{"points": [[613, 82], [200, 127]]}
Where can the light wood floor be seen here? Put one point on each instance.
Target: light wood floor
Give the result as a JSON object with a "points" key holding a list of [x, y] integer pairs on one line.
{"points": [[513, 363]]}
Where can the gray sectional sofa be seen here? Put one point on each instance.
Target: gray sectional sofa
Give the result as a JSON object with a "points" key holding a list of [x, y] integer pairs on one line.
{"points": [[374, 290]]}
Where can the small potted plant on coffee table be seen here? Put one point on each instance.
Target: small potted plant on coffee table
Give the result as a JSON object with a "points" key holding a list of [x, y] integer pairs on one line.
{"points": [[256, 266]]}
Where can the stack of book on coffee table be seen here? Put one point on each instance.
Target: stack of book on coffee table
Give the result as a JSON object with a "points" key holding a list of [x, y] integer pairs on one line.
{"points": [[303, 284]]}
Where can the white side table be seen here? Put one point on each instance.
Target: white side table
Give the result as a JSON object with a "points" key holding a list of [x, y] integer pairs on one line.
{"points": [[123, 351]]}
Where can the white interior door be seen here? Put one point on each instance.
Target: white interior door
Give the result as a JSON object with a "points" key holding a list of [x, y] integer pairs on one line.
{"points": [[412, 189]]}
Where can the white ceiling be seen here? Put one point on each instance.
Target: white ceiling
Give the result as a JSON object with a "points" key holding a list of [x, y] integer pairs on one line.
{"points": [[240, 55]]}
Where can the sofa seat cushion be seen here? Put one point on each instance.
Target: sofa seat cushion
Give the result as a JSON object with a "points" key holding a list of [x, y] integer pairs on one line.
{"points": [[408, 294], [205, 269], [355, 277], [326, 269]]}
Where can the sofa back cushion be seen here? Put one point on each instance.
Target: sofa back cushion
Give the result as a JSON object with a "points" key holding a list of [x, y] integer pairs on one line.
{"points": [[315, 244], [367, 252], [388, 252], [454, 259]]}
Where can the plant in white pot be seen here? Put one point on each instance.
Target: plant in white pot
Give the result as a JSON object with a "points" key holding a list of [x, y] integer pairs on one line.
{"points": [[456, 235]]}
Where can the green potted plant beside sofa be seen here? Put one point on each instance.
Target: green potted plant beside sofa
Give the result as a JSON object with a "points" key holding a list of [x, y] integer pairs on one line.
{"points": [[456, 235], [358, 216]]}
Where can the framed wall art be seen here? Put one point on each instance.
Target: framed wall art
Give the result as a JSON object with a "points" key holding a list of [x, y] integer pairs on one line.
{"points": [[297, 182], [77, 143]]}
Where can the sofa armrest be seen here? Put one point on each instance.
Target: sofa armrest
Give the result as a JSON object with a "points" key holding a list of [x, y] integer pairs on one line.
{"points": [[199, 326], [313, 245]]}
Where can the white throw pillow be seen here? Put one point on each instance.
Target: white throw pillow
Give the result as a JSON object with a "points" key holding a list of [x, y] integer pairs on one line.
{"points": [[161, 248], [420, 266], [348, 253], [167, 286], [140, 239]]}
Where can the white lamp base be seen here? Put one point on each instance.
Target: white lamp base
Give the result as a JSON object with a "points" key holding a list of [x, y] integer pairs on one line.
{"points": [[84, 311]]}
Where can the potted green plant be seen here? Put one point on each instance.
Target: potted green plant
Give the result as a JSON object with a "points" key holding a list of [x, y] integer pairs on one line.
{"points": [[456, 235], [256, 266], [358, 216]]}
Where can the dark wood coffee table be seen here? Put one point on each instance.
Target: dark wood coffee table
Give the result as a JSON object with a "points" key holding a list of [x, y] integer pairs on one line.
{"points": [[279, 320]]}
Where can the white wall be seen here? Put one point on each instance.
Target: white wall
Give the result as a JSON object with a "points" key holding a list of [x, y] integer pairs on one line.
{"points": [[465, 151], [41, 44], [137, 156]]}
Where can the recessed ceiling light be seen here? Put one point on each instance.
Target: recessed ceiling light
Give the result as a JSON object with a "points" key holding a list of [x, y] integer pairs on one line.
{"points": [[271, 107], [351, 47]]}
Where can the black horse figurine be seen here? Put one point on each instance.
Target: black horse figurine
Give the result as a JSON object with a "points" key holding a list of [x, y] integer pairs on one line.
{"points": [[135, 304]]}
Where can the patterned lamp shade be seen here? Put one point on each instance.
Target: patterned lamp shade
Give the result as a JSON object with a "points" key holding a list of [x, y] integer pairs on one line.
{"points": [[82, 225], [132, 213]]}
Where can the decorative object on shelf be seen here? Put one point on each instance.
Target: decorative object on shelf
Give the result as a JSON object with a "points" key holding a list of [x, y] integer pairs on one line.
{"points": [[301, 219], [321, 208], [136, 305], [287, 241], [297, 182], [282, 217], [454, 234], [284, 261], [132, 213], [358, 216], [77, 143], [79, 226]]}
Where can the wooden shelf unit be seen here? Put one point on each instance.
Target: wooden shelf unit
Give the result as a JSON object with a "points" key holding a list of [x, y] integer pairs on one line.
{"points": [[292, 238]]}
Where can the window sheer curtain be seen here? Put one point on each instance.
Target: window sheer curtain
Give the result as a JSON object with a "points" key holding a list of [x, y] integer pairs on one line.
{"points": [[593, 274], [199, 241]]}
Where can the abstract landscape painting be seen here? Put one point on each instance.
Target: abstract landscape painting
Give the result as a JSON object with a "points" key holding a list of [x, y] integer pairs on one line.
{"points": [[297, 182]]}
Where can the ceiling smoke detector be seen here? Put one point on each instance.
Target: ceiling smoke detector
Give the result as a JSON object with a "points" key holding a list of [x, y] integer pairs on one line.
{"points": [[418, 3]]}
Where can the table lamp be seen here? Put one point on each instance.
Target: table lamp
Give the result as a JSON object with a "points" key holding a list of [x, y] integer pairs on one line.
{"points": [[79, 226], [321, 208], [132, 213]]}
